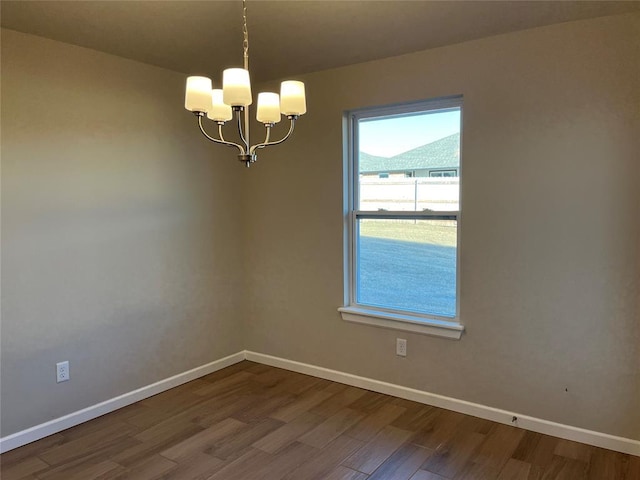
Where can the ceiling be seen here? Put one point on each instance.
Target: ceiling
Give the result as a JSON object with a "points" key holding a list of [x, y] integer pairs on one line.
{"points": [[286, 37]]}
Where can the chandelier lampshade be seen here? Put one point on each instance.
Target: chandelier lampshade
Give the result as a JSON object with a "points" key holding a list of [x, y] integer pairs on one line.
{"points": [[236, 87], [219, 111], [293, 98], [268, 108], [198, 97]]}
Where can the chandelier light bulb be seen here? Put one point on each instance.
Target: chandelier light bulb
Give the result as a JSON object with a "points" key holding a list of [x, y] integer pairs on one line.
{"points": [[236, 87], [198, 94], [268, 108], [220, 112], [292, 98]]}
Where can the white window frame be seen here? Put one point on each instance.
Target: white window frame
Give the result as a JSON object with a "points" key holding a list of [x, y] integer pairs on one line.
{"points": [[441, 326]]}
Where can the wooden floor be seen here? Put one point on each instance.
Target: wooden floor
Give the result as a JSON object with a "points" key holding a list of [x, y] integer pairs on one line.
{"points": [[250, 422]]}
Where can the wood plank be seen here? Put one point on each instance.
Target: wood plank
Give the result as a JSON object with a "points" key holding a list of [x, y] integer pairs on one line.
{"points": [[303, 404], [375, 421], [371, 402], [263, 405], [562, 468], [403, 464], [288, 433], [243, 467], [493, 453], [121, 415], [147, 469], [343, 398], [23, 468], [242, 366], [297, 383], [331, 428], [233, 383], [536, 449], [438, 428], [450, 458], [82, 470], [517, 470], [176, 406], [318, 467], [288, 459], [218, 408], [416, 416], [573, 450], [424, 475], [203, 440], [374, 453], [30, 450], [344, 473], [633, 471], [606, 464], [239, 442], [104, 442], [154, 440], [198, 466]]}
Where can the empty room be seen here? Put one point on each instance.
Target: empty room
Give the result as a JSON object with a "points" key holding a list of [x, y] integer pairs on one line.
{"points": [[320, 239]]}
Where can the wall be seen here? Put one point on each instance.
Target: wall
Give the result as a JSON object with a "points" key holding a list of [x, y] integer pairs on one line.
{"points": [[549, 278], [120, 230]]}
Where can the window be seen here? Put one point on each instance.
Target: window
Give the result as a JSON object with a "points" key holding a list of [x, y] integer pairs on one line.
{"points": [[443, 173], [401, 253]]}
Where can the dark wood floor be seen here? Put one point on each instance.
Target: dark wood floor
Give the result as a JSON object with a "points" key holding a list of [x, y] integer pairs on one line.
{"points": [[250, 421]]}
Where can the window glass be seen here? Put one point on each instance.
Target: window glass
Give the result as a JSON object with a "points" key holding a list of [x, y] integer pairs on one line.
{"points": [[408, 265], [400, 158]]}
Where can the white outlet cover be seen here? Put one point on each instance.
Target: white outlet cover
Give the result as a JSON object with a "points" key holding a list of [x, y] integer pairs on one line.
{"points": [[401, 347], [62, 371]]}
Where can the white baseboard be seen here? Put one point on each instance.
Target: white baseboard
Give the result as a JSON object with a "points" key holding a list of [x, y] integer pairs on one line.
{"points": [[71, 420], [620, 444]]}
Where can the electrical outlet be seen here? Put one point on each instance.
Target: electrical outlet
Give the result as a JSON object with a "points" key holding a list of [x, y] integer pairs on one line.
{"points": [[62, 371], [401, 347]]}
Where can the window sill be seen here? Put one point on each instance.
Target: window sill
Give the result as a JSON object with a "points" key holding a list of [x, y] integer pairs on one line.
{"points": [[408, 323]]}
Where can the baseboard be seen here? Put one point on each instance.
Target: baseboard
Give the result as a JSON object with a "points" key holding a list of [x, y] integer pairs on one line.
{"points": [[603, 440], [71, 420]]}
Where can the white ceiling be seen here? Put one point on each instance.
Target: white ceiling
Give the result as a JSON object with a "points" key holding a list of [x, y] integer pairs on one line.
{"points": [[286, 37]]}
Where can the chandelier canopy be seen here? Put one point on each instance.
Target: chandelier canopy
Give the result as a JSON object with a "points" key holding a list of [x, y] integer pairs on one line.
{"points": [[234, 98]]}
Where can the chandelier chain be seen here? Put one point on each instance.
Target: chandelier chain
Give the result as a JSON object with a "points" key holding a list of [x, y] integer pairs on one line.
{"points": [[245, 32]]}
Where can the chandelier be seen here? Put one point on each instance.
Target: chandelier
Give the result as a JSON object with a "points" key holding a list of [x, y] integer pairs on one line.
{"points": [[234, 98]]}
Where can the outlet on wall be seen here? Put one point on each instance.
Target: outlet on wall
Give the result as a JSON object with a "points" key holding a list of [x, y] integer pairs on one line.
{"points": [[62, 371], [401, 347]]}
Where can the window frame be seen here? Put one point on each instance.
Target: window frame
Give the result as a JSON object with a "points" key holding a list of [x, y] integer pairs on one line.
{"points": [[430, 324]]}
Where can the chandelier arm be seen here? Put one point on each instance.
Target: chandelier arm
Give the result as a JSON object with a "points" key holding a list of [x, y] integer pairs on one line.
{"points": [[240, 130], [221, 141], [267, 143], [266, 138], [240, 147]]}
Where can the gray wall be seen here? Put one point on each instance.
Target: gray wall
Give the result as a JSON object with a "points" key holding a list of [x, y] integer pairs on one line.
{"points": [[120, 231], [136, 250], [550, 232]]}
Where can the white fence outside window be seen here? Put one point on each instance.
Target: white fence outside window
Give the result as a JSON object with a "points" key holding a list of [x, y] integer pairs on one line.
{"points": [[410, 194]]}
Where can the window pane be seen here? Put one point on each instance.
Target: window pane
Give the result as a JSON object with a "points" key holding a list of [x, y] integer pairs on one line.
{"points": [[410, 162], [407, 265]]}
